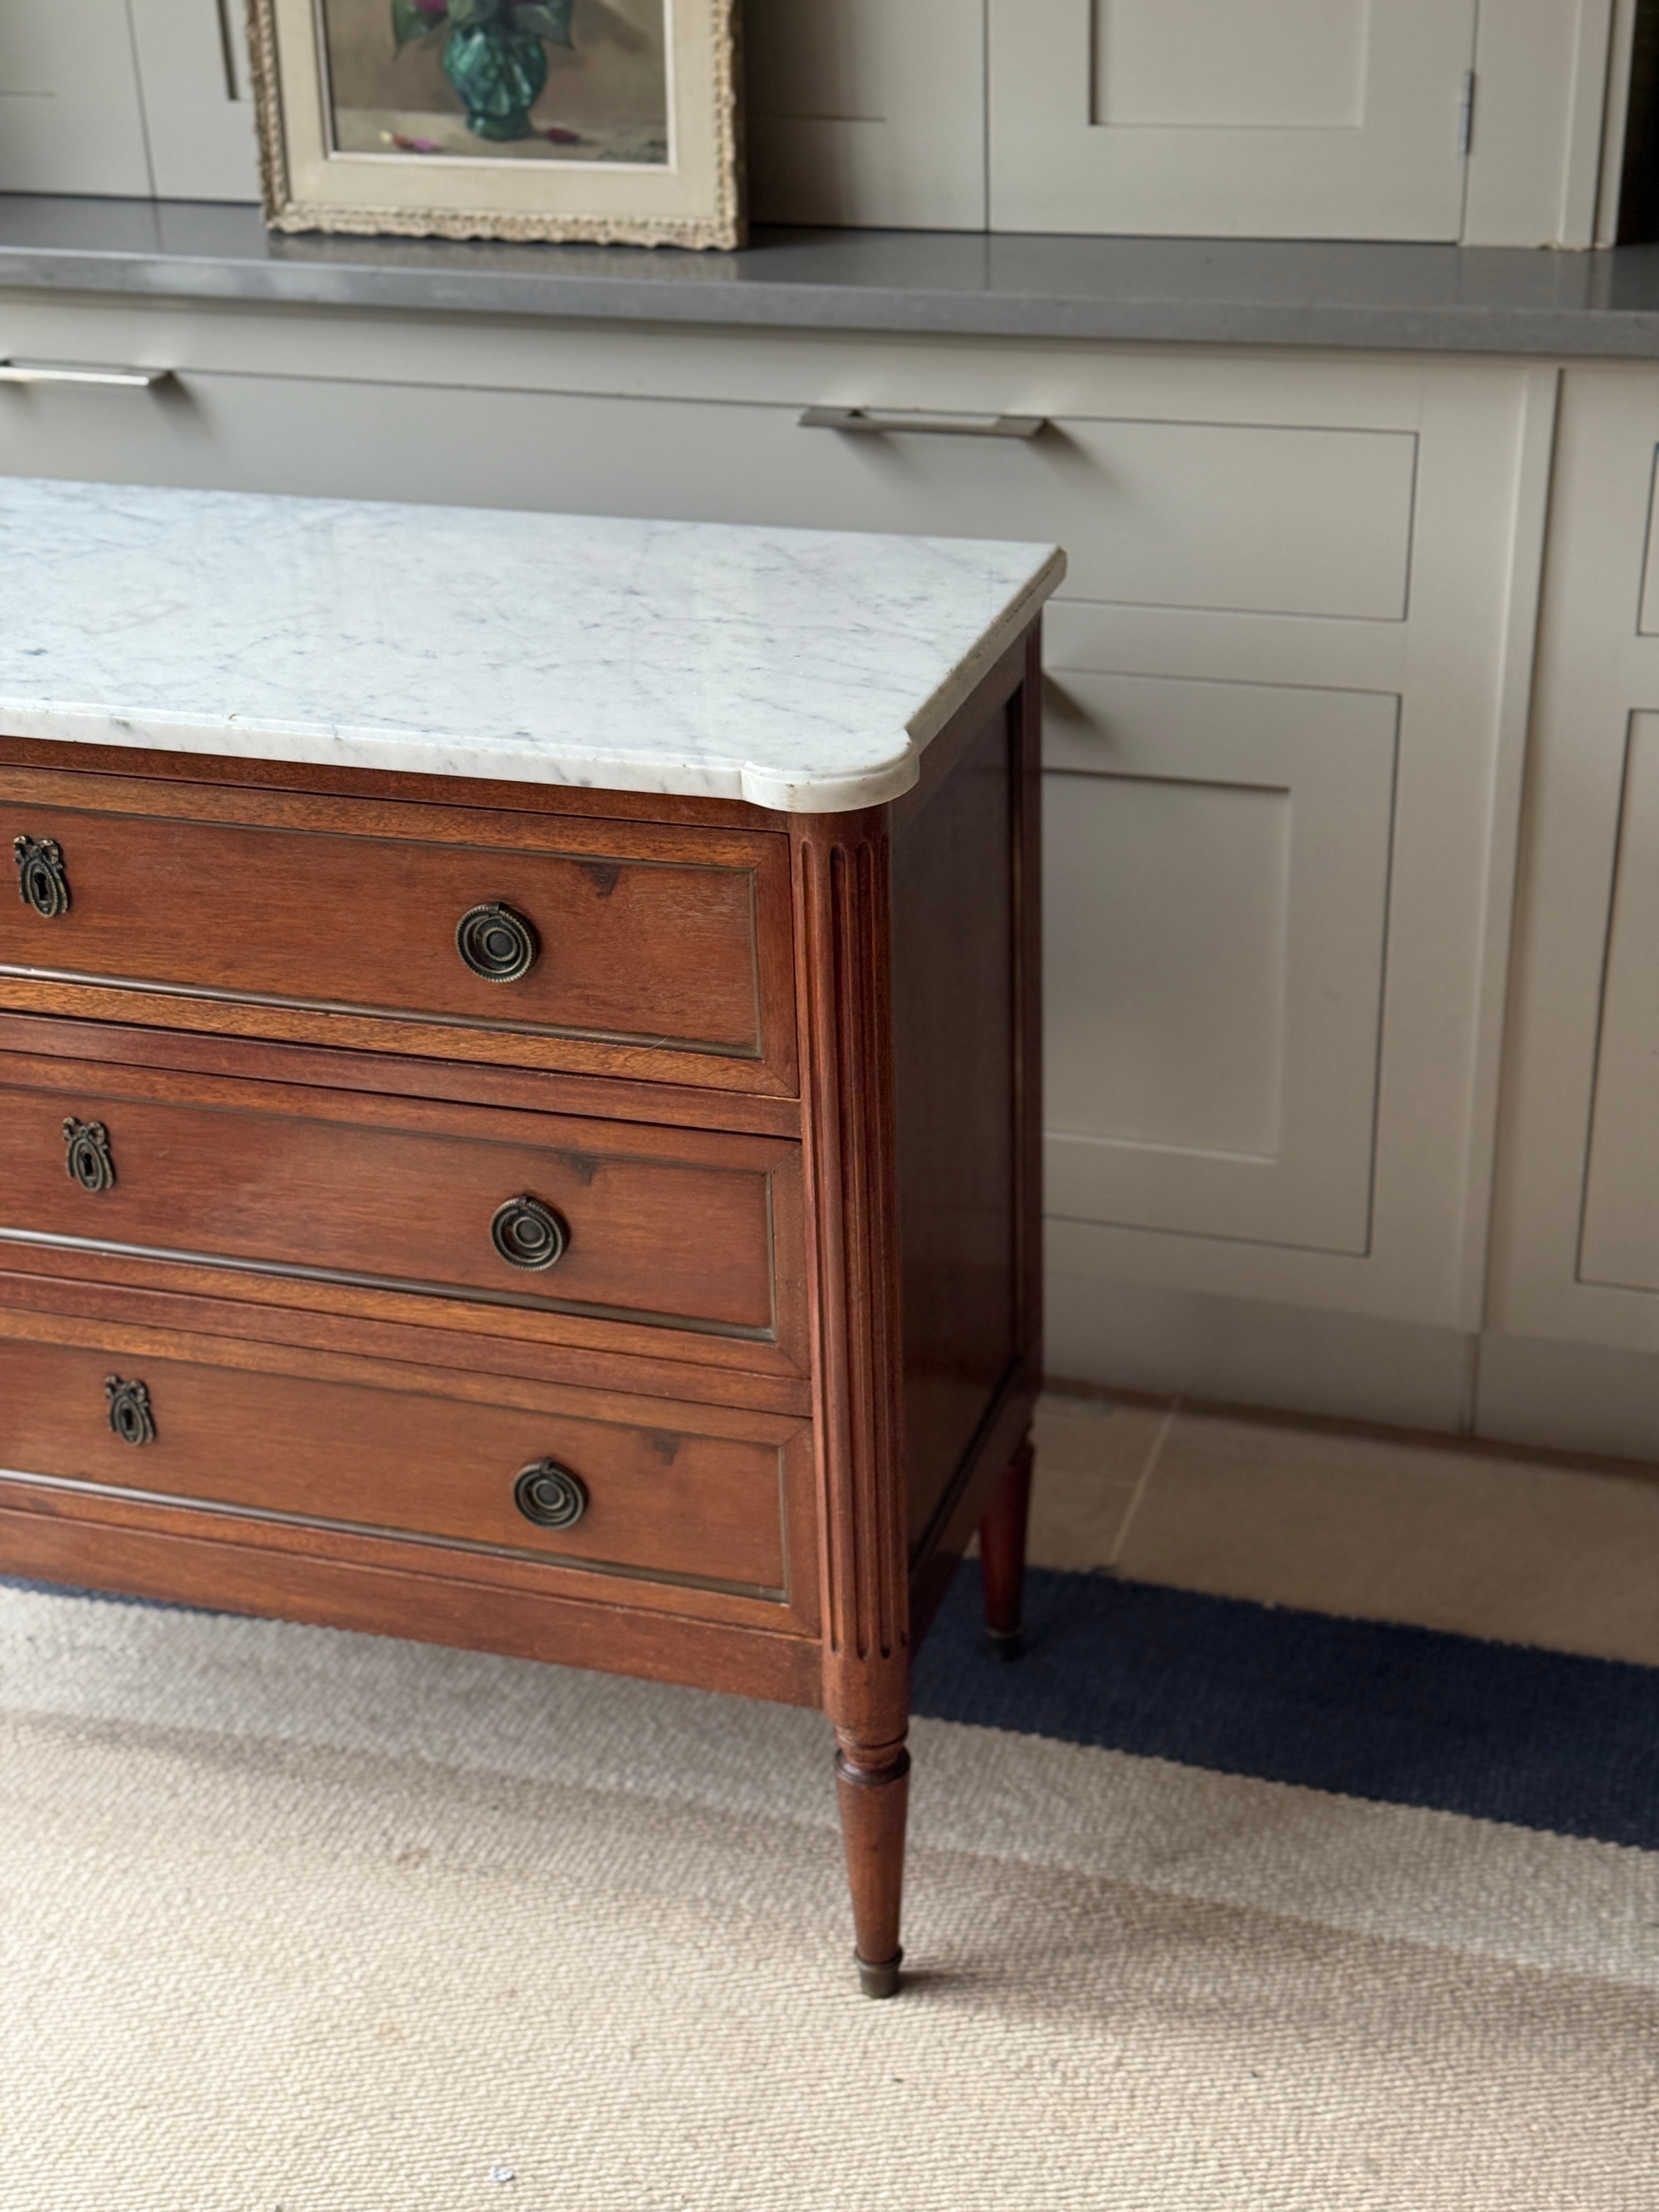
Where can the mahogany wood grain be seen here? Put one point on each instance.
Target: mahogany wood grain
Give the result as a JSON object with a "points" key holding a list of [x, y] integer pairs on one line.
{"points": [[669, 1502], [954, 1018], [170, 1295], [185, 1560], [844, 924], [872, 1791], [333, 920], [684, 1233], [1002, 1533], [541, 1091], [934, 1567], [943, 1134], [949, 1502], [336, 1446], [1025, 714]]}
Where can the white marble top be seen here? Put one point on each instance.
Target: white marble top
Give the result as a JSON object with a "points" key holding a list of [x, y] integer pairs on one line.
{"points": [[802, 670]]}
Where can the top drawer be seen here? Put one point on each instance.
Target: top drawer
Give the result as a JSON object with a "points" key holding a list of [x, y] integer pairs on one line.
{"points": [[621, 949]]}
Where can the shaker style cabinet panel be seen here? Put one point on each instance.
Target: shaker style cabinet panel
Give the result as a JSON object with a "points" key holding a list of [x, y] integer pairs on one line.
{"points": [[1217, 883], [197, 95], [866, 112], [1577, 1252], [1280, 855], [70, 116], [1266, 119], [127, 98]]}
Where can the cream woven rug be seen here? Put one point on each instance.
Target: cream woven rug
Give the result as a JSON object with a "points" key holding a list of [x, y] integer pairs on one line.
{"points": [[298, 1921]]}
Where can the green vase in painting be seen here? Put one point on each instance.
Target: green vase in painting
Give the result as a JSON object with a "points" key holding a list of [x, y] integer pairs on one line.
{"points": [[499, 70]]}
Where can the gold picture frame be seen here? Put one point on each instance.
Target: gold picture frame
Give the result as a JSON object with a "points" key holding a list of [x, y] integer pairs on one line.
{"points": [[614, 121]]}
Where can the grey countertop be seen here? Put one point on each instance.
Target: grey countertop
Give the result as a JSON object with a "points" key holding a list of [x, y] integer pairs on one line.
{"points": [[1187, 291]]}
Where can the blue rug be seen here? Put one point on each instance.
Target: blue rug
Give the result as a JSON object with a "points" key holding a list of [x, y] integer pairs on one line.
{"points": [[1402, 1716]]}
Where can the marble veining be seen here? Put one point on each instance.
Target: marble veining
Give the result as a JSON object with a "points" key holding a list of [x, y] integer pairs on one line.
{"points": [[800, 670]]}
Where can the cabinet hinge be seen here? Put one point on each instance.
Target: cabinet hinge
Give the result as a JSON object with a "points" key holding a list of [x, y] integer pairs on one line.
{"points": [[1466, 113]]}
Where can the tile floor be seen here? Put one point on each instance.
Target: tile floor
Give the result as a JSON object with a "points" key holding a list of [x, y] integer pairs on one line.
{"points": [[1485, 1542]]}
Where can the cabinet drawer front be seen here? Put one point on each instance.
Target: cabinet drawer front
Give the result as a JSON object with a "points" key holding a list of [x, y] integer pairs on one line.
{"points": [[682, 1502], [1206, 514], [669, 1230], [644, 946]]}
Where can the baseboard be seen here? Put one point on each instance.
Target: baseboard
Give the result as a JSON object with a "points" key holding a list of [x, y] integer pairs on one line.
{"points": [[1568, 1397], [1543, 1394], [1248, 1351]]}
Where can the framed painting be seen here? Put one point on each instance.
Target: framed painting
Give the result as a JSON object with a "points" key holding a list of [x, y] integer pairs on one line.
{"points": [[606, 119]]}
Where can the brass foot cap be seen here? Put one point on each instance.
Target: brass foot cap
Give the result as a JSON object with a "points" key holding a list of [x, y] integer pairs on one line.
{"points": [[881, 1981], [1006, 1643]]}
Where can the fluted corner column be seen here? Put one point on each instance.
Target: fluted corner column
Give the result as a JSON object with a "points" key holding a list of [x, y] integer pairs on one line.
{"points": [[844, 916]]}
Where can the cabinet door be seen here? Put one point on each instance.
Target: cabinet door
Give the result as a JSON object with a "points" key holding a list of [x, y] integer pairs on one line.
{"points": [[70, 114], [1240, 118], [198, 102], [866, 111], [1576, 1254], [1217, 869]]}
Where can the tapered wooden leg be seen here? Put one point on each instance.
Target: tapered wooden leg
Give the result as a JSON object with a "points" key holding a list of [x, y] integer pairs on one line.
{"points": [[1002, 1556], [872, 1783]]}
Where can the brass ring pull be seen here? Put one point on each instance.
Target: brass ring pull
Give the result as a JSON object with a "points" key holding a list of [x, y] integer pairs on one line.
{"points": [[88, 1155], [130, 1415], [497, 943], [550, 1495], [42, 881], [528, 1234]]}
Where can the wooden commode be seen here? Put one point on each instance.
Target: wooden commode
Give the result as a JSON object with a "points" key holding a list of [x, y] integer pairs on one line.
{"points": [[518, 1086]]}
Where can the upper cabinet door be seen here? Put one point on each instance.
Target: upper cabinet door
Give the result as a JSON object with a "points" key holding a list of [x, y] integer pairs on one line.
{"points": [[866, 111], [70, 115], [127, 99], [1240, 118], [198, 99]]}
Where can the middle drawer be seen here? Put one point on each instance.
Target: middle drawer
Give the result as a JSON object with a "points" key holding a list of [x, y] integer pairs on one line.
{"points": [[686, 1243]]}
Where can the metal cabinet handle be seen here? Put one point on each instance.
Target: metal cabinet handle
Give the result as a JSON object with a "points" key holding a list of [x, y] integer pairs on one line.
{"points": [[882, 422], [550, 1495], [88, 1155], [528, 1234], [81, 371], [130, 1415], [42, 880], [497, 943]]}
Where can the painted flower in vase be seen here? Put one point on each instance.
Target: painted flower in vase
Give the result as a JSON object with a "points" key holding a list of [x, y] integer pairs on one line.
{"points": [[495, 54]]}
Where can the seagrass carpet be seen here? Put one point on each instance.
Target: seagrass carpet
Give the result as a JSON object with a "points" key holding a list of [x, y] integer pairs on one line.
{"points": [[1210, 1907]]}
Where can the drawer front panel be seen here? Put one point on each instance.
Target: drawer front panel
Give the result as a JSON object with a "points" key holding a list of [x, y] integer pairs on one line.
{"points": [[639, 946], [673, 1230], [671, 1503], [1260, 517]]}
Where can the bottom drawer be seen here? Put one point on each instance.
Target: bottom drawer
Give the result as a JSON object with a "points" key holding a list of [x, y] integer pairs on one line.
{"points": [[675, 1494]]}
